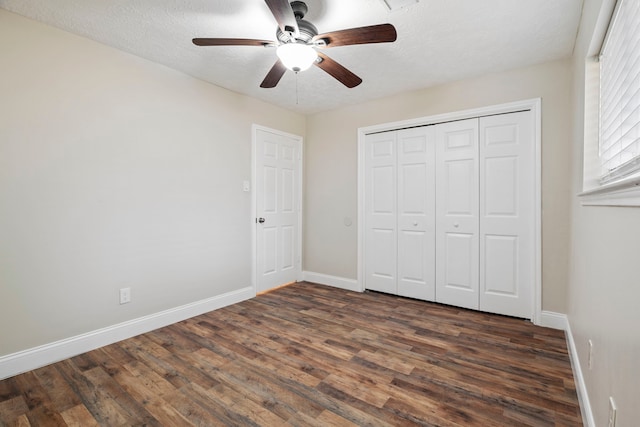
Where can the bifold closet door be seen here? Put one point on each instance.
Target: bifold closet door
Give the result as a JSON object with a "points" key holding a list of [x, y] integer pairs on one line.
{"points": [[416, 213], [399, 249], [450, 213], [380, 240], [507, 206], [457, 213]]}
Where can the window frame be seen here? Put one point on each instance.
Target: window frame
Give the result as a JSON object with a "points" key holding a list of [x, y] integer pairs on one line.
{"points": [[622, 190]]}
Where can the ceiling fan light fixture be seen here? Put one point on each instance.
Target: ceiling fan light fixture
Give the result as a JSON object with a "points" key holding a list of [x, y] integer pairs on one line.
{"points": [[297, 56]]}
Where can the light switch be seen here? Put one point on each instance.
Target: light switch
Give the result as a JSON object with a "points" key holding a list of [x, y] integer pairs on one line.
{"points": [[246, 187]]}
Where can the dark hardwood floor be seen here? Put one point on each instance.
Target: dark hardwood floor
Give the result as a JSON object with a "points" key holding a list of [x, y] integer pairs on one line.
{"points": [[311, 355]]}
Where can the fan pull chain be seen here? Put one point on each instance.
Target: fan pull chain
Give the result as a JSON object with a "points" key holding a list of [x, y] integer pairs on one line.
{"points": [[297, 88]]}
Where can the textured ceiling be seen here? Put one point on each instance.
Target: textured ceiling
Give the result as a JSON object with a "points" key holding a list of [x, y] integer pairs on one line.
{"points": [[438, 41]]}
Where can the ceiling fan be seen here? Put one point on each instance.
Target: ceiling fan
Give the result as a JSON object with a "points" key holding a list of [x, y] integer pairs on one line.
{"points": [[298, 41]]}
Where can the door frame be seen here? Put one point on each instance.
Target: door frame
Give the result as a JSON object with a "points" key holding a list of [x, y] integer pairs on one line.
{"points": [[254, 201], [534, 105]]}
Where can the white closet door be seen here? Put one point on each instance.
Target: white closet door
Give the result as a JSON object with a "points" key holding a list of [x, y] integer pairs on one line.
{"points": [[416, 213], [507, 201], [380, 243], [457, 222]]}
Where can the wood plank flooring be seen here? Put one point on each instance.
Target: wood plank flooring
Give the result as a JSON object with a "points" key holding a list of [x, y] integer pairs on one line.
{"points": [[310, 355]]}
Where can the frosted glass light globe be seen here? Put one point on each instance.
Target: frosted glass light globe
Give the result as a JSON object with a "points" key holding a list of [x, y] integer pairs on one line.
{"points": [[296, 56]]}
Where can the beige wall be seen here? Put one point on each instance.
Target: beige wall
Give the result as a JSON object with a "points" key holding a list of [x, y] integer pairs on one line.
{"points": [[115, 172], [604, 285], [331, 165]]}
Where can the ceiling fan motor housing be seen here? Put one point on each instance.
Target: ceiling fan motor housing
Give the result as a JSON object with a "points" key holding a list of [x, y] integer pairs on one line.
{"points": [[307, 30]]}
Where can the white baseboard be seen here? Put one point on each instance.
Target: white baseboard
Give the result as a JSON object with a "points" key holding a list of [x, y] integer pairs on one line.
{"points": [[550, 319], [560, 321], [336, 282], [581, 386], [37, 357]]}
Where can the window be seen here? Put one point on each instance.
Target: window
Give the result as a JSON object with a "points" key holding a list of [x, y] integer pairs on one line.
{"points": [[619, 143], [611, 155]]}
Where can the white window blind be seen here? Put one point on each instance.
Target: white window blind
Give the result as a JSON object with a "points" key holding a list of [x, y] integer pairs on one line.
{"points": [[619, 146]]}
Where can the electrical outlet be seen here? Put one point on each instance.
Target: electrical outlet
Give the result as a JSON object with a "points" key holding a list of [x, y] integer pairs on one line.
{"points": [[612, 412], [590, 357], [125, 295]]}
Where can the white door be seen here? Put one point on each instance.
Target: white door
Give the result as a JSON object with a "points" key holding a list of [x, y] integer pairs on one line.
{"points": [[277, 185], [457, 222], [449, 213], [416, 213], [507, 204], [380, 240]]}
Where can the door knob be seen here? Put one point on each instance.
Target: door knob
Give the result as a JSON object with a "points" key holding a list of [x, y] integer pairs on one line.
{"points": [[456, 225], [415, 224], [261, 220]]}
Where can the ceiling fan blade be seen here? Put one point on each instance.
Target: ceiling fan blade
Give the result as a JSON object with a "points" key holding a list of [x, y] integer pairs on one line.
{"points": [[233, 42], [337, 71], [281, 10], [274, 75], [382, 33]]}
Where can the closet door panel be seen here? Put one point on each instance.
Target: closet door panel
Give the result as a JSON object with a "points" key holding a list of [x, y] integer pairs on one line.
{"points": [[459, 254], [416, 213], [500, 265], [507, 189], [457, 220], [449, 213], [460, 187], [380, 250]]}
